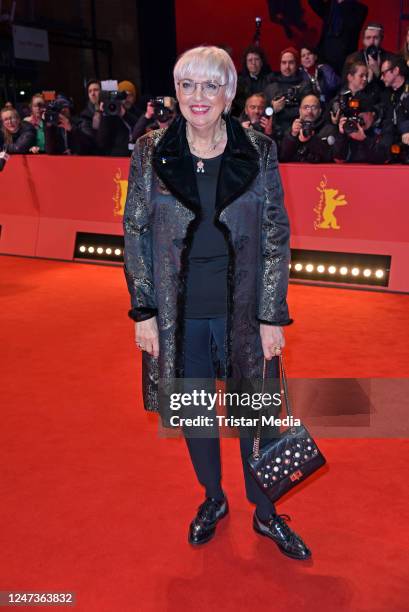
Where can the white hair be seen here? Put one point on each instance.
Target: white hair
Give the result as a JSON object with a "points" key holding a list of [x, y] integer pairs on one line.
{"points": [[210, 63]]}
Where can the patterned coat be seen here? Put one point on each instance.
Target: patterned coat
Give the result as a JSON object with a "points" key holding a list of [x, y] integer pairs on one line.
{"points": [[161, 214]]}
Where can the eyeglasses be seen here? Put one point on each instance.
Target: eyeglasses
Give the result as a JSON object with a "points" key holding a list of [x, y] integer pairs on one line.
{"points": [[209, 88], [385, 71], [311, 107]]}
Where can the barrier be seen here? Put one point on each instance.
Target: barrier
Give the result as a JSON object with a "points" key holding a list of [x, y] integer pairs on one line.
{"points": [[45, 201]]}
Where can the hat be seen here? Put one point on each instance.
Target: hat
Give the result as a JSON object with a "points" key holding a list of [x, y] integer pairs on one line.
{"points": [[293, 51], [127, 86]]}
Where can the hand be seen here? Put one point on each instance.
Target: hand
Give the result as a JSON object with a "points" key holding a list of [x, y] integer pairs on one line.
{"points": [[272, 340], [34, 149], [246, 124], [303, 138], [279, 104], [373, 67], [147, 336], [150, 110], [405, 138], [296, 127], [335, 116], [4, 155], [64, 122], [341, 124], [359, 135], [267, 125]]}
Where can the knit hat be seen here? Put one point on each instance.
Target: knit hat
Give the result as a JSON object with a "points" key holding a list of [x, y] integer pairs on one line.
{"points": [[293, 51], [127, 86]]}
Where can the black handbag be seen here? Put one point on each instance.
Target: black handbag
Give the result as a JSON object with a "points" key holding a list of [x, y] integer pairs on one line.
{"points": [[285, 462]]}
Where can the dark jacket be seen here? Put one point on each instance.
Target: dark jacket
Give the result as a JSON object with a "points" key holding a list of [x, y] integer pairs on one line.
{"points": [[161, 214], [375, 149], [61, 142], [340, 31], [317, 150], [283, 120], [85, 125], [324, 82], [115, 134], [22, 141], [248, 85]]}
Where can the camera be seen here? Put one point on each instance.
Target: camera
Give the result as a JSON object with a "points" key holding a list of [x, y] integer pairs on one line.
{"points": [[372, 51], [307, 128], [112, 102], [52, 112], [292, 96], [352, 111], [161, 112]]}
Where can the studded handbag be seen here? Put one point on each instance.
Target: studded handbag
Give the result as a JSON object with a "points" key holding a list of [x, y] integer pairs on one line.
{"points": [[288, 460]]}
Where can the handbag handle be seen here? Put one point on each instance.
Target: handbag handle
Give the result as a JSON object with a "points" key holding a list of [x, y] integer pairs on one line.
{"points": [[283, 392]]}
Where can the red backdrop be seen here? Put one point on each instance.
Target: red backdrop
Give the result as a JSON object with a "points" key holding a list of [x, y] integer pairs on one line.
{"points": [[232, 22]]}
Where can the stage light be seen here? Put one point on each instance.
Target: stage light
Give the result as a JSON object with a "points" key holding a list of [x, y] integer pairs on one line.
{"points": [[100, 250], [22, 92], [355, 271], [379, 274], [83, 249], [367, 272], [309, 267], [343, 270], [117, 251], [298, 267], [332, 269], [91, 249], [321, 269], [108, 251]]}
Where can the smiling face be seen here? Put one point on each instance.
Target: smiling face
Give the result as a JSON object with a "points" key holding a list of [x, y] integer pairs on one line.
{"points": [[201, 108], [11, 121], [308, 58], [288, 65]]}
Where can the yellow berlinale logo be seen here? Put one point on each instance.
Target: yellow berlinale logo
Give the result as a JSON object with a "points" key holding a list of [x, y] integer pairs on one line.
{"points": [[329, 200], [119, 197]]}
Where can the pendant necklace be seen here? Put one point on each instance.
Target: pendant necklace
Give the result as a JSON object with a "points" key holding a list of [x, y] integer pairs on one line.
{"points": [[200, 167]]}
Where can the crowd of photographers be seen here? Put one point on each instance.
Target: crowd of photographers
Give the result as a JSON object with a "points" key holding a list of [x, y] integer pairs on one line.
{"points": [[314, 114]]}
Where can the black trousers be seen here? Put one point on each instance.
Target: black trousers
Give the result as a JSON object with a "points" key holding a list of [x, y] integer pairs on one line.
{"points": [[200, 334]]}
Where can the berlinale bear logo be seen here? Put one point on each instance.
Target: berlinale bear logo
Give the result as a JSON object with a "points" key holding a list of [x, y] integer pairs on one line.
{"points": [[119, 197], [329, 200]]}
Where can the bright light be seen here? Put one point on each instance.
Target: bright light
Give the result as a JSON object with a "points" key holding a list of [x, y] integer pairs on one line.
{"points": [[108, 251], [91, 249], [332, 269], [82, 249], [100, 250], [367, 272], [298, 267], [355, 271], [309, 267], [117, 251], [22, 92], [343, 270], [379, 273], [320, 269], [289, 265]]}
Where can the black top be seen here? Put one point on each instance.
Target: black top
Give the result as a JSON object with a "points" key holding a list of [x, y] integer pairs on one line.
{"points": [[208, 256]]}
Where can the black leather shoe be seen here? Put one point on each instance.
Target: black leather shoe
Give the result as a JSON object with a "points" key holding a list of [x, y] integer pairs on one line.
{"points": [[286, 539], [203, 526]]}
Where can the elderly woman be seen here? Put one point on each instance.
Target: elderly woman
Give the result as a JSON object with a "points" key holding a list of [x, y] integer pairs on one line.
{"points": [[206, 263]]}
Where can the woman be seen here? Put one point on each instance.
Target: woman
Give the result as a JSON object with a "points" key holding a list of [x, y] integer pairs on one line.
{"points": [[206, 262], [37, 107], [405, 47], [15, 136], [355, 84], [254, 77], [324, 80]]}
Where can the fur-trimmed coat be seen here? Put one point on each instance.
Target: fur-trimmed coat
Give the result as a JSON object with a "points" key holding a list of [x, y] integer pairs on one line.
{"points": [[161, 214]]}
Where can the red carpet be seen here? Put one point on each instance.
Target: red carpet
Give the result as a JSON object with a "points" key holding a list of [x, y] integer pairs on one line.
{"points": [[93, 501]]}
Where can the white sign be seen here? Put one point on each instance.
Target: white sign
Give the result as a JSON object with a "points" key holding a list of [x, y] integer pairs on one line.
{"points": [[30, 43]]}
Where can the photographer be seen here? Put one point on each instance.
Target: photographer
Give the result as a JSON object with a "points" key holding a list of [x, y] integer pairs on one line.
{"points": [[160, 112], [323, 79], [254, 115], [63, 135], [285, 92], [90, 116], [16, 136], [254, 77], [114, 135], [361, 138], [310, 138], [396, 102], [373, 55], [355, 86]]}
